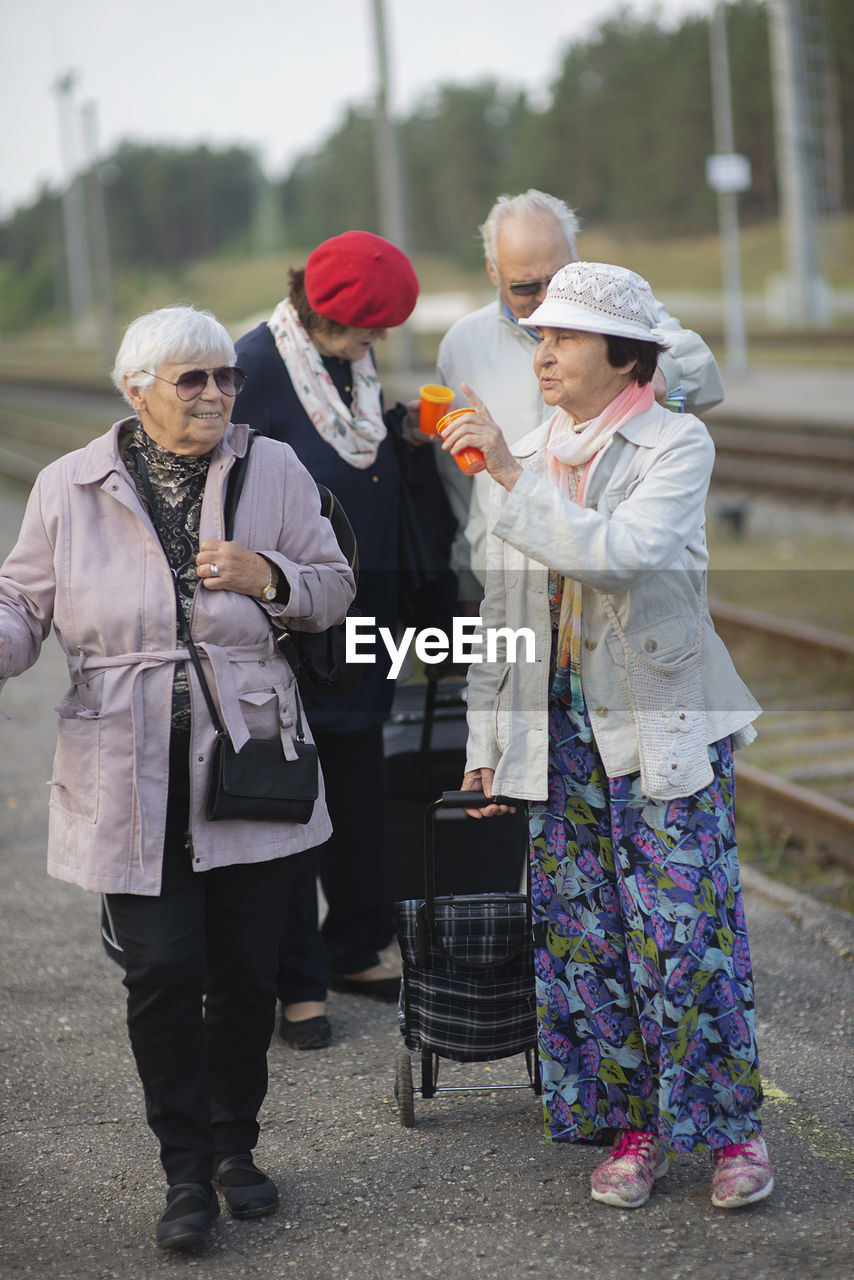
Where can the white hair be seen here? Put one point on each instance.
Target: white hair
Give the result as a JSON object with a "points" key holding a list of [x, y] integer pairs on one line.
{"points": [[170, 335], [530, 204]]}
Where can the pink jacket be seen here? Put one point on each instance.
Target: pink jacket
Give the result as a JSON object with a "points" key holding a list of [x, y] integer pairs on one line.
{"points": [[88, 560]]}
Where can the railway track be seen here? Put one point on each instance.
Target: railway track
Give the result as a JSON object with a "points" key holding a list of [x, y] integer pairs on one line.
{"points": [[817, 463], [799, 773], [806, 461]]}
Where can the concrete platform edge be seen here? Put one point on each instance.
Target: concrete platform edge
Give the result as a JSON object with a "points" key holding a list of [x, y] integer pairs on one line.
{"points": [[828, 924]]}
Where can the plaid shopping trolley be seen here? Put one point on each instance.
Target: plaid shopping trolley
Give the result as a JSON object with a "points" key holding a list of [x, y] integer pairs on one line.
{"points": [[467, 992]]}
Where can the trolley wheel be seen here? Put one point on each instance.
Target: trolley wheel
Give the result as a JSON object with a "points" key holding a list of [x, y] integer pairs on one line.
{"points": [[403, 1091], [532, 1061]]}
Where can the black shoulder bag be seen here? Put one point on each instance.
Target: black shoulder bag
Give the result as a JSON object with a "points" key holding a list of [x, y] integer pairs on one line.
{"points": [[318, 659], [257, 783]]}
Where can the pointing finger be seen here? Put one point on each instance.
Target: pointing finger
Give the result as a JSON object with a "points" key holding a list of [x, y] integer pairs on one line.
{"points": [[474, 399]]}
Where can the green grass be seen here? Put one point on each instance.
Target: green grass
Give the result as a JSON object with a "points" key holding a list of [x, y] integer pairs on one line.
{"points": [[799, 575], [238, 288], [695, 264]]}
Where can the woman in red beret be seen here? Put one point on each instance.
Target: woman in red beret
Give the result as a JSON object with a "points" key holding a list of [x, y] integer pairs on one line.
{"points": [[312, 381]]}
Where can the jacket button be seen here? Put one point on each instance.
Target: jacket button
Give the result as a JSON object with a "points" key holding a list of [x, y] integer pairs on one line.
{"points": [[650, 645], [589, 644], [601, 711], [201, 759], [375, 479]]}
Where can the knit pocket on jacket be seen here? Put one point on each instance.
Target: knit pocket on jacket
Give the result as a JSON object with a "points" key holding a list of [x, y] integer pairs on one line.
{"points": [[667, 703]]}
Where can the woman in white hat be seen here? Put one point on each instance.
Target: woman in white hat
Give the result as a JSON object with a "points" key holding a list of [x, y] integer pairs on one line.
{"points": [[621, 736]]}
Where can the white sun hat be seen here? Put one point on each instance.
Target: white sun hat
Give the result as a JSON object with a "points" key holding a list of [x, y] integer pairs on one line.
{"points": [[597, 297]]}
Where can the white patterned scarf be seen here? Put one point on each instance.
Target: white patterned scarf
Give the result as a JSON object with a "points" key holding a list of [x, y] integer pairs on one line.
{"points": [[354, 433]]}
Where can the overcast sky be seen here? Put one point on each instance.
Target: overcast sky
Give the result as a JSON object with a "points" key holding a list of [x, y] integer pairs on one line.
{"points": [[274, 74]]}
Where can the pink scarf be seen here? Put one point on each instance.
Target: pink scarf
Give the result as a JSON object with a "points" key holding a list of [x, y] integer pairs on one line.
{"points": [[569, 448], [571, 445]]}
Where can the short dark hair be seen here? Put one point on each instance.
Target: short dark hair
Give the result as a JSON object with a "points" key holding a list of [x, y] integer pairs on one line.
{"points": [[622, 351], [310, 319]]}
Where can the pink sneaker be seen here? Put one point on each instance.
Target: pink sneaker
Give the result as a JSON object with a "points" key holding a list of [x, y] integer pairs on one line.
{"points": [[742, 1174], [625, 1179]]}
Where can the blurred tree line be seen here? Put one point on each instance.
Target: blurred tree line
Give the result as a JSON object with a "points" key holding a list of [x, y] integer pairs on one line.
{"points": [[623, 140]]}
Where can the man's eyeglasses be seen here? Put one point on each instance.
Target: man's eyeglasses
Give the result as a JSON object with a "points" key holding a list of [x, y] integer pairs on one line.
{"points": [[230, 381], [527, 288]]}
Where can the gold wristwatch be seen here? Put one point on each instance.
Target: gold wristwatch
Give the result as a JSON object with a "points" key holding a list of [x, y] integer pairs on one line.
{"points": [[269, 592]]}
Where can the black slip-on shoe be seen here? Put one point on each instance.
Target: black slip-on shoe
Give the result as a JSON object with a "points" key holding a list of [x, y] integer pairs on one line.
{"points": [[310, 1033], [248, 1192], [191, 1209], [376, 989]]}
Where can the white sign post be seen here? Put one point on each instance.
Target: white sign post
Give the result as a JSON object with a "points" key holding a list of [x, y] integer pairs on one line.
{"points": [[728, 173]]}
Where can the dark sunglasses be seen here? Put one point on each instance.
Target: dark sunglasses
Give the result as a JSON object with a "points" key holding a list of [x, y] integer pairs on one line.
{"points": [[528, 288], [229, 380]]}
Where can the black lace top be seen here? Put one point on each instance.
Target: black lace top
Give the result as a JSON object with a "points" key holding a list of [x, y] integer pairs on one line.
{"points": [[177, 482]]}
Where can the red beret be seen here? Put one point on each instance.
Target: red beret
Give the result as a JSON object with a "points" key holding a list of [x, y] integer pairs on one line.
{"points": [[361, 280]]}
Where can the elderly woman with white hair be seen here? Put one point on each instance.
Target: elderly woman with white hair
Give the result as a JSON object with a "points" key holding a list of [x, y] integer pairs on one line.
{"points": [[123, 549], [620, 735]]}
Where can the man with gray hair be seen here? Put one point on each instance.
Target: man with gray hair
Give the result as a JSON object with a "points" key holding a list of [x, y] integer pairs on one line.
{"points": [[526, 239]]}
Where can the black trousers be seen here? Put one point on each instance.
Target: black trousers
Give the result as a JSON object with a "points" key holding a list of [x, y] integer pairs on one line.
{"points": [[200, 972], [355, 873]]}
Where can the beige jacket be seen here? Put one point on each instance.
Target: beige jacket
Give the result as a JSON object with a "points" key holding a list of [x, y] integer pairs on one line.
{"points": [[665, 688]]}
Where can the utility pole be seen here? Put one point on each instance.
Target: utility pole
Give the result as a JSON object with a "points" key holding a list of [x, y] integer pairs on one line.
{"points": [[392, 216], [389, 184], [728, 174], [74, 218], [806, 297], [100, 238]]}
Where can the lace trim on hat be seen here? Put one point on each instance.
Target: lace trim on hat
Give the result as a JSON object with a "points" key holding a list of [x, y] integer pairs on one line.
{"points": [[619, 293]]}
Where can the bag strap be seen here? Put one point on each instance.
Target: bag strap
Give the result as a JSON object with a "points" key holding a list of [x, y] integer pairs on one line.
{"points": [[236, 477], [182, 619], [341, 527], [282, 637], [234, 489], [331, 508]]}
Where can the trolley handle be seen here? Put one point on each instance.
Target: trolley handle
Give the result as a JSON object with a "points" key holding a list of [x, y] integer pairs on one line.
{"points": [[455, 800], [448, 800], [468, 800]]}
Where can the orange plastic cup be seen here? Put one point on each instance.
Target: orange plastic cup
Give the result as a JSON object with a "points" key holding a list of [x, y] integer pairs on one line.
{"points": [[469, 460], [434, 402]]}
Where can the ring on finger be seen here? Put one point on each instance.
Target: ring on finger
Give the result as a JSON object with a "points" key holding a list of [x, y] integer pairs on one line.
{"points": [[214, 570]]}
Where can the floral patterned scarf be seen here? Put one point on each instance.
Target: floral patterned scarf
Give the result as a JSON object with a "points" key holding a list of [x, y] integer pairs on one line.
{"points": [[570, 450], [178, 483], [354, 433]]}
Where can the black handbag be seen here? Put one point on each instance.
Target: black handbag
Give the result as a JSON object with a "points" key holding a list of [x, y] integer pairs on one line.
{"points": [[257, 783], [318, 659]]}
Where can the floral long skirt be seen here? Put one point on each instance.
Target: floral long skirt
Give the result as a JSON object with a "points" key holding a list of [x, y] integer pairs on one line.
{"points": [[644, 982]]}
